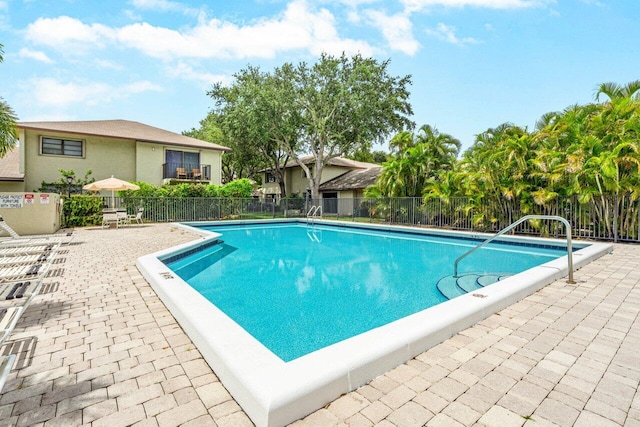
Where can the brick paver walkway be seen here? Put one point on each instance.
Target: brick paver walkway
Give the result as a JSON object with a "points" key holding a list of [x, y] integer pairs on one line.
{"points": [[99, 348]]}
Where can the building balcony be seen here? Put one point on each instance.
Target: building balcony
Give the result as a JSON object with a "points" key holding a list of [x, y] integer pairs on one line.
{"points": [[183, 172]]}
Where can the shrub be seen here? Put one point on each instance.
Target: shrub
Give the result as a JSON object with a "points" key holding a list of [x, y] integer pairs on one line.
{"points": [[82, 210]]}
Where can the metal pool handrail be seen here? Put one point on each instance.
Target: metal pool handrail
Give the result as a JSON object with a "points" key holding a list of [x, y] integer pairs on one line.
{"points": [[515, 224], [315, 211]]}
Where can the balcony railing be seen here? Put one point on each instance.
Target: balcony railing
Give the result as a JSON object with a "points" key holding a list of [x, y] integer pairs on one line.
{"points": [[186, 172]]}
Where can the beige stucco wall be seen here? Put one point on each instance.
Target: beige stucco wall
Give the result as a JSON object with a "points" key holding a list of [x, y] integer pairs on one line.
{"points": [[213, 158], [104, 156], [149, 161], [36, 218], [345, 202], [296, 182], [11, 186]]}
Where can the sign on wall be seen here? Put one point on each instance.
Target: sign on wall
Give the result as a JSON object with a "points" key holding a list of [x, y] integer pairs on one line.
{"points": [[10, 200], [44, 199], [29, 199]]}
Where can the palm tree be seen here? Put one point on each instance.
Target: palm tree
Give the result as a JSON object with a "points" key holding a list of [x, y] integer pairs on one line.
{"points": [[442, 145], [8, 119], [616, 91]]}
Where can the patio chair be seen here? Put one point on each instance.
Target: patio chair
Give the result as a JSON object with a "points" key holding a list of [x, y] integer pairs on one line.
{"points": [[123, 218], [196, 174], [137, 217], [181, 173], [110, 217]]}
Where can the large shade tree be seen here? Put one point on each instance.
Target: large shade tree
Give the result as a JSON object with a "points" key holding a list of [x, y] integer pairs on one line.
{"points": [[337, 106], [242, 161], [255, 117], [8, 119]]}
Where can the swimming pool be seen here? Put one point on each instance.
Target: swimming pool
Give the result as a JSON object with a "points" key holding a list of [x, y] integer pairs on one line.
{"points": [[276, 387], [298, 289]]}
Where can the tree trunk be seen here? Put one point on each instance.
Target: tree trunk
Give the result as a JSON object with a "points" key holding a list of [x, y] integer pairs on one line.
{"points": [[314, 187], [283, 189]]}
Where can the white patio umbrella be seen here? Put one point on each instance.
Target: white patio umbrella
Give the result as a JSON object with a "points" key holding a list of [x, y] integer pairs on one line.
{"points": [[113, 184]]}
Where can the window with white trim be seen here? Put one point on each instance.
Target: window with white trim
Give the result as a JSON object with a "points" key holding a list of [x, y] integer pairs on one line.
{"points": [[61, 147]]}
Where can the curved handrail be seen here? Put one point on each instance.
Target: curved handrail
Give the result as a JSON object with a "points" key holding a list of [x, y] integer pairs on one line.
{"points": [[315, 211], [515, 224]]}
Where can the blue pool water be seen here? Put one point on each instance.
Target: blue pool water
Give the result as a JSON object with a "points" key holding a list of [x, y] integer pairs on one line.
{"points": [[297, 290]]}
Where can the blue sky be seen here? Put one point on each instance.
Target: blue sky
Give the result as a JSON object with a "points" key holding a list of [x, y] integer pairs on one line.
{"points": [[475, 63]]}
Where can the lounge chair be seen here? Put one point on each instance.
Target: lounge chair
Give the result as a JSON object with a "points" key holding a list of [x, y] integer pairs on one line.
{"points": [[13, 249], [181, 173], [19, 293], [8, 318], [7, 261], [23, 272], [64, 238], [6, 363], [196, 174]]}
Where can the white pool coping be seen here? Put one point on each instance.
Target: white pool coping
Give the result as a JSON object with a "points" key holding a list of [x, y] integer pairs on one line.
{"points": [[275, 393]]}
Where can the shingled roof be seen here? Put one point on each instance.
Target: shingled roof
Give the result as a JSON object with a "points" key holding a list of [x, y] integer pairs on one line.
{"points": [[123, 129], [334, 161], [353, 180], [10, 166]]}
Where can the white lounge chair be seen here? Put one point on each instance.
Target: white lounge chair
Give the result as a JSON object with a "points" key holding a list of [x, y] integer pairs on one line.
{"points": [[6, 363], [65, 238]]}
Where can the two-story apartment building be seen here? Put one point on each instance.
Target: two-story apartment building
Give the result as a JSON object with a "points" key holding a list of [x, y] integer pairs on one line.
{"points": [[129, 150]]}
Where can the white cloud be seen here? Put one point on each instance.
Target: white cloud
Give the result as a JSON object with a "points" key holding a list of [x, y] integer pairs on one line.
{"points": [[184, 71], [356, 3], [593, 2], [297, 28], [417, 5], [101, 63], [34, 54], [52, 93], [396, 29], [448, 34], [139, 87], [68, 34], [164, 6], [49, 92]]}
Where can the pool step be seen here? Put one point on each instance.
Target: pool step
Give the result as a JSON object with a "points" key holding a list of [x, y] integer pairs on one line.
{"points": [[452, 287], [190, 269], [449, 288]]}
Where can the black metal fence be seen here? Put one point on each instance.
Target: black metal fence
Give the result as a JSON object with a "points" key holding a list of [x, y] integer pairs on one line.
{"points": [[614, 218]]}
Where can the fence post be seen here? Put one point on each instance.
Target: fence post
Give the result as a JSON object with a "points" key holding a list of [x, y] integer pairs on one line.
{"points": [[615, 220]]}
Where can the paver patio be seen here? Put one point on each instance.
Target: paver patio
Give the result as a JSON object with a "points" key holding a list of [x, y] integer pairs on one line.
{"points": [[99, 348]]}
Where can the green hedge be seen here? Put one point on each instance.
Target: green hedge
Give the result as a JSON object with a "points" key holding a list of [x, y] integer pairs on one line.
{"points": [[82, 210]]}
